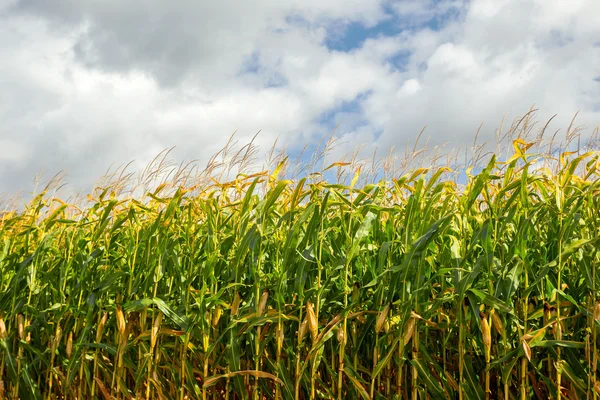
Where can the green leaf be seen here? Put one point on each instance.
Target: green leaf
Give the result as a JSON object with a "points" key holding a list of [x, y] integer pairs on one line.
{"points": [[491, 301], [385, 360], [434, 386]]}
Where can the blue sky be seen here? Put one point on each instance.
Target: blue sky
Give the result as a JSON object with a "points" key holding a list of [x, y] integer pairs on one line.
{"points": [[85, 85]]}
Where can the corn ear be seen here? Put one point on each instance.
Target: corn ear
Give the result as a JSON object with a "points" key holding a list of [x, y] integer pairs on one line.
{"points": [[487, 336], [120, 320], [312, 321], [155, 329], [235, 306], [409, 330], [3, 333], [216, 317], [302, 330], [263, 302], [70, 345], [527, 350], [497, 322], [341, 336], [382, 318], [100, 328], [21, 326]]}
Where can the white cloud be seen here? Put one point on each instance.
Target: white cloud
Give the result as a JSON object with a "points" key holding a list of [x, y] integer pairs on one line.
{"points": [[409, 87], [87, 84], [488, 8], [502, 58]]}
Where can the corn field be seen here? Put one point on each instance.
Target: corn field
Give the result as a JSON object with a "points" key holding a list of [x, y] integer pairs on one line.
{"points": [[266, 288]]}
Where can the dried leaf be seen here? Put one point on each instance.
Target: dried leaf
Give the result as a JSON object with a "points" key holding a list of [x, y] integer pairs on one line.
{"points": [[257, 374]]}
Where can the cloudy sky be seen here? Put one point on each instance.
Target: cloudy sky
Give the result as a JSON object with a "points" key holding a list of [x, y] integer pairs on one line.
{"points": [[89, 83]]}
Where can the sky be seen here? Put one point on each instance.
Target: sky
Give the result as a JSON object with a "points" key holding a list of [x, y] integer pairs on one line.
{"points": [[86, 84]]}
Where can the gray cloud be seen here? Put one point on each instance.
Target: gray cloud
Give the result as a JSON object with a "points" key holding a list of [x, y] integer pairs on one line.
{"points": [[198, 40]]}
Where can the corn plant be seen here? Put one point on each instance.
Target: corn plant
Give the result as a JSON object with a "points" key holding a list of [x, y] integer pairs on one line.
{"points": [[266, 288]]}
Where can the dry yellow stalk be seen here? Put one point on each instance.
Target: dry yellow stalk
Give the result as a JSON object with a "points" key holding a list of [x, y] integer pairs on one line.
{"points": [[597, 311], [280, 336], [451, 380]]}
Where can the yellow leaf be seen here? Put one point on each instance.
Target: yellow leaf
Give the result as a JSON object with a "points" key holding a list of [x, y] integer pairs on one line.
{"points": [[418, 172], [277, 170], [337, 164], [355, 179], [522, 146], [564, 155]]}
